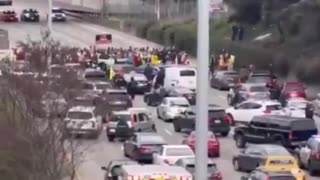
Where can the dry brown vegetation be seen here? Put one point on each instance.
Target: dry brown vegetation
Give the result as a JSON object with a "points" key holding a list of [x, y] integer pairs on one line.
{"points": [[32, 141]]}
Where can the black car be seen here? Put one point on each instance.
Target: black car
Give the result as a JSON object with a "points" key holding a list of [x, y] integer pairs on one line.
{"points": [[113, 170], [141, 146], [218, 122], [116, 99], [155, 97], [285, 130], [95, 75], [30, 15], [269, 175], [224, 79], [183, 92], [254, 156], [142, 83]]}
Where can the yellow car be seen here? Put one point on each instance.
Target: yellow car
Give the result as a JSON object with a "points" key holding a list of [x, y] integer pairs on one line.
{"points": [[283, 164]]}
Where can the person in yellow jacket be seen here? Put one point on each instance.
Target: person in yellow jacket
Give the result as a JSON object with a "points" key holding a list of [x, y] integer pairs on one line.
{"points": [[155, 59], [110, 72]]}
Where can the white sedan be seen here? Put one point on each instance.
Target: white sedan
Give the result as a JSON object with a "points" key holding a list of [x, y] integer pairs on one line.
{"points": [[296, 107], [245, 111], [171, 107], [169, 154]]}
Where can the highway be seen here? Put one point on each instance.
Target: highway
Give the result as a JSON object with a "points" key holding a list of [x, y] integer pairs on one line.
{"points": [[97, 153]]}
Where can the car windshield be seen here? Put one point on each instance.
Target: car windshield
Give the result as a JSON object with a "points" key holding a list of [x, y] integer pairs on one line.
{"points": [[179, 152], [216, 113], [79, 115], [191, 168], [187, 73], [275, 107], [118, 117], [259, 79], [281, 162], [258, 89], [151, 139], [103, 86], [57, 11], [179, 103], [294, 87]]}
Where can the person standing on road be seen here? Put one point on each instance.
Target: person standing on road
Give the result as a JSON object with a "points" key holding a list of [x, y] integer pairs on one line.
{"points": [[131, 88], [148, 71]]}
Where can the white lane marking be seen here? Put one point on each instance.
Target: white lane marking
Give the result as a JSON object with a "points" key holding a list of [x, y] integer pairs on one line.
{"points": [[168, 132], [221, 96], [122, 148]]}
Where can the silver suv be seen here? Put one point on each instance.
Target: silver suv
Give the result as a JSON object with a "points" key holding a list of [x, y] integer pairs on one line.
{"points": [[82, 120]]}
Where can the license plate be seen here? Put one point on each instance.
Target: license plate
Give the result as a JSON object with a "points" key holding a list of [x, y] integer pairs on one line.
{"points": [[112, 130], [217, 121]]}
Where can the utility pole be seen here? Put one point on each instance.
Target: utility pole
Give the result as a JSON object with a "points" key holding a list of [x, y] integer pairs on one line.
{"points": [[202, 90], [49, 36]]}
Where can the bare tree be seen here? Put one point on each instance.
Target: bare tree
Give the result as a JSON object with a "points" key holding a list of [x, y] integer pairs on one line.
{"points": [[32, 141]]}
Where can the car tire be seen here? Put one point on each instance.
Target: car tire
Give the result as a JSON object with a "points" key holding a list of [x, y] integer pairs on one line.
{"points": [[125, 153], [110, 138], [225, 134], [236, 165], [240, 142], [176, 127]]}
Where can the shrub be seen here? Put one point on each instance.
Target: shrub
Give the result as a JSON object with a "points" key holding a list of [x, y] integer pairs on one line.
{"points": [[154, 33], [185, 38]]}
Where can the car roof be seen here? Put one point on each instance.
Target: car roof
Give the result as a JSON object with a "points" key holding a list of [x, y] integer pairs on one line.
{"points": [[252, 84], [317, 137], [182, 89], [143, 170], [142, 134], [176, 99], [121, 112], [81, 109], [270, 149], [192, 160], [114, 90], [175, 146], [264, 102], [279, 119]]}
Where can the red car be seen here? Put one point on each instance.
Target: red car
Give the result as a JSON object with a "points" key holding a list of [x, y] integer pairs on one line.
{"points": [[9, 16], [292, 89], [213, 143]]}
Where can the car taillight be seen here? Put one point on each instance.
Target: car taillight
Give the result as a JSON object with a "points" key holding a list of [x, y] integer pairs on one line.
{"points": [[217, 176], [144, 149], [227, 119], [290, 136], [315, 156]]}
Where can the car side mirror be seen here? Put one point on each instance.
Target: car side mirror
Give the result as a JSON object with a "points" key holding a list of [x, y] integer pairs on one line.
{"points": [[103, 168]]}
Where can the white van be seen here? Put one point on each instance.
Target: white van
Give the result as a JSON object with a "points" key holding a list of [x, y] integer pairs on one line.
{"points": [[181, 76]]}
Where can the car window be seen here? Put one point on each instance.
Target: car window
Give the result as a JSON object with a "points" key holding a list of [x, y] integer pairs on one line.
{"points": [[243, 106], [143, 117], [187, 73], [258, 89], [275, 107], [135, 118], [80, 115], [118, 117], [254, 106]]}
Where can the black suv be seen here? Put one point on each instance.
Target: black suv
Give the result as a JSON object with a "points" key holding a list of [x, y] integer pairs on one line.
{"points": [[218, 121], [285, 130]]}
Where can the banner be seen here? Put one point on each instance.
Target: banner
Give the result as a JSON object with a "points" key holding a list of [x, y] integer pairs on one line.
{"points": [[103, 39]]}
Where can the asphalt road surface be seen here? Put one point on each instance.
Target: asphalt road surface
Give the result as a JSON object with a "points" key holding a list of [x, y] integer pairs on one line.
{"points": [[97, 153]]}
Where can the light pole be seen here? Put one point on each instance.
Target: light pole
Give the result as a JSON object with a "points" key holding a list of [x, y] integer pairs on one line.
{"points": [[49, 35], [202, 90]]}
